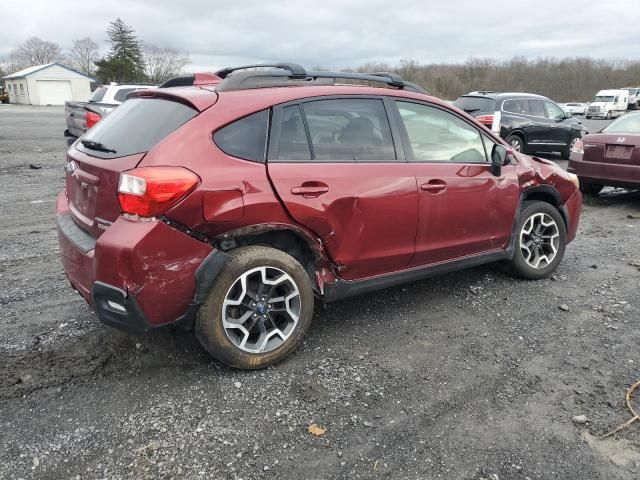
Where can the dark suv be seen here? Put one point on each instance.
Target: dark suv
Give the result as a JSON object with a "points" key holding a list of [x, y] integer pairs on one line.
{"points": [[230, 204], [529, 123]]}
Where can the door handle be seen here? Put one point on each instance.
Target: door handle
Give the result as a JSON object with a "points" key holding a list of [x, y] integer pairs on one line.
{"points": [[434, 186], [310, 189]]}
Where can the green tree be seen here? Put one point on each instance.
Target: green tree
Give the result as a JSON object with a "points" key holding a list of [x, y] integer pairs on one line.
{"points": [[124, 61]]}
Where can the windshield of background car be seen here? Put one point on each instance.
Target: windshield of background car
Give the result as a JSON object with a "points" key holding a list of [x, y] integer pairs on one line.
{"points": [[626, 124], [136, 126], [603, 98], [474, 105], [98, 95]]}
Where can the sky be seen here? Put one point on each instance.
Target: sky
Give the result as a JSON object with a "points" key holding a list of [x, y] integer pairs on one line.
{"points": [[339, 34]]}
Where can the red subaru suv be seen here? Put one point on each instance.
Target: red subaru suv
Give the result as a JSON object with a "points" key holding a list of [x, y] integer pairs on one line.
{"points": [[230, 202]]}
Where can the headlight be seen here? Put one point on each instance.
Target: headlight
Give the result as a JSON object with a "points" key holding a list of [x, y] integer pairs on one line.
{"points": [[575, 180]]}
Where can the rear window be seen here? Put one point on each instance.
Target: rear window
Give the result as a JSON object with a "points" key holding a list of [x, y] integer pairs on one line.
{"points": [[136, 126], [98, 94], [476, 105]]}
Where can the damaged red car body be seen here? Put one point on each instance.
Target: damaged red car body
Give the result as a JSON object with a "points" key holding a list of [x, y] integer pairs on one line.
{"points": [[231, 204]]}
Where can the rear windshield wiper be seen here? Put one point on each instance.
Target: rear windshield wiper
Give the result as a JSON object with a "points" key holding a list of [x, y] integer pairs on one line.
{"points": [[470, 110], [91, 145]]}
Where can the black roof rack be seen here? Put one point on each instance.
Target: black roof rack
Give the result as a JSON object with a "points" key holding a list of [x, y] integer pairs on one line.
{"points": [[290, 74], [181, 81]]}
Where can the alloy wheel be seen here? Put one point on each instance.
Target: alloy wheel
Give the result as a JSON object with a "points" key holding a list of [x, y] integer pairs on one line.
{"points": [[539, 240], [261, 309], [516, 144]]}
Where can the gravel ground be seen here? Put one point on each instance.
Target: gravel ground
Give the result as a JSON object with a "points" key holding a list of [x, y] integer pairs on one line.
{"points": [[472, 375]]}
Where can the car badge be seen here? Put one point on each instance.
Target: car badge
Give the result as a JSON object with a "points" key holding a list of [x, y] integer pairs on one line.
{"points": [[621, 139], [70, 167]]}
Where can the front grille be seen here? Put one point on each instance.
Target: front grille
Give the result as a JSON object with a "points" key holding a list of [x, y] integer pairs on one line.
{"points": [[594, 109]]}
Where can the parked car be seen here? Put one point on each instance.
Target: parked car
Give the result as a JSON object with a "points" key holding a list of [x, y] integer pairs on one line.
{"points": [[633, 102], [529, 123], [610, 157], [608, 104], [230, 207], [575, 108], [81, 116]]}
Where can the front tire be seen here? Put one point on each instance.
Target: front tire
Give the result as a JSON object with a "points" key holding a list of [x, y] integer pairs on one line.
{"points": [[608, 116], [257, 310], [541, 239], [516, 143]]}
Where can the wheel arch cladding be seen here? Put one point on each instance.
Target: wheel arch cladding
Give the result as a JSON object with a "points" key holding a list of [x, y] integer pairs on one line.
{"points": [[547, 194]]}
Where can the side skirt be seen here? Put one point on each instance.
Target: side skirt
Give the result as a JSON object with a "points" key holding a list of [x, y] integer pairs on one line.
{"points": [[348, 288]]}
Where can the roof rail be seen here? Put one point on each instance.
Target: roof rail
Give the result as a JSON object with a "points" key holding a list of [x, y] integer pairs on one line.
{"points": [[290, 74], [295, 70]]}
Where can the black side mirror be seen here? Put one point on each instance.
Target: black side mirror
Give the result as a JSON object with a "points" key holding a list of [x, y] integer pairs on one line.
{"points": [[499, 158]]}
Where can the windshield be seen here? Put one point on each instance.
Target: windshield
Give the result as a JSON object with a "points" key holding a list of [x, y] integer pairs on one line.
{"points": [[475, 105], [603, 98], [134, 127], [630, 123]]}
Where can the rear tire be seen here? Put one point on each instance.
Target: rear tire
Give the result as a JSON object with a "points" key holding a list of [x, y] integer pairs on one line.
{"points": [[589, 188], [588, 117], [566, 153], [257, 310], [541, 238], [608, 116], [516, 143]]}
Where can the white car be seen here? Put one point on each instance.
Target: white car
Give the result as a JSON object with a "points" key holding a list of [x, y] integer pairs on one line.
{"points": [[575, 108]]}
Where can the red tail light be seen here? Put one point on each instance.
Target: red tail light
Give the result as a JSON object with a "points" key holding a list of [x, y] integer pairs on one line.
{"points": [[485, 120], [91, 118], [150, 191]]}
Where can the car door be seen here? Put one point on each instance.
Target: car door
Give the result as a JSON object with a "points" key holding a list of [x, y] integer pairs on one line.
{"points": [[538, 129], [464, 209], [338, 166], [560, 125]]}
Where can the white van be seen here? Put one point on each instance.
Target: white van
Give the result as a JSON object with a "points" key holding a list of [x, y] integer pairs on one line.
{"points": [[608, 104], [634, 97]]}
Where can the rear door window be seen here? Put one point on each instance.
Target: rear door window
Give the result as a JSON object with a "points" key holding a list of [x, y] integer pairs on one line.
{"points": [[136, 126], [553, 111], [293, 144], [519, 106], [349, 129], [245, 138], [537, 108]]}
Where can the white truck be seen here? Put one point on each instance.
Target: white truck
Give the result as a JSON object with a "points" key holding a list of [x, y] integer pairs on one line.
{"points": [[608, 104], [634, 97]]}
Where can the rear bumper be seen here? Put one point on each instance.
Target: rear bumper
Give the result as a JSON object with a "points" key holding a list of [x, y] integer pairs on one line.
{"points": [[613, 174], [136, 275]]}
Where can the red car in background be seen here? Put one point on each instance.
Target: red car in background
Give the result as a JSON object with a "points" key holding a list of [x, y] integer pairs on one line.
{"points": [[230, 204], [610, 157]]}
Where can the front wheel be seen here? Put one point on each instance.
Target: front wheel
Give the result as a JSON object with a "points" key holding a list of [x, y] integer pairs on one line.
{"points": [[257, 310], [540, 242], [608, 116], [516, 143]]}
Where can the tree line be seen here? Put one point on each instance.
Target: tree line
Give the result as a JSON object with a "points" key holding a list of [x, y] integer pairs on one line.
{"points": [[128, 59], [561, 79]]}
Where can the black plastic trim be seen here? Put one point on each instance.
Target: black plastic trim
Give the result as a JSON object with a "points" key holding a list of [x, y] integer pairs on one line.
{"points": [[344, 288], [207, 273], [82, 240], [132, 319]]}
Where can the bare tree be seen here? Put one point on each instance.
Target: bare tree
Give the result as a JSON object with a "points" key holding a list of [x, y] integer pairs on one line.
{"points": [[83, 55], [162, 63], [35, 51]]}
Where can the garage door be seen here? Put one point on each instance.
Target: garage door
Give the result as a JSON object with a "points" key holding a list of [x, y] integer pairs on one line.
{"points": [[53, 92]]}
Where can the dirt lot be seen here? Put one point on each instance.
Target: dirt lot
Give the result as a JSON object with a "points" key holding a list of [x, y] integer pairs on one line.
{"points": [[472, 375]]}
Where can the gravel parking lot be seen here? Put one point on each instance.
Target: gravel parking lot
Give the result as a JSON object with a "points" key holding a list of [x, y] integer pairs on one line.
{"points": [[472, 375]]}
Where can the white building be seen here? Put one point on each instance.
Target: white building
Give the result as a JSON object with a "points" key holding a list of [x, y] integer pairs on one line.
{"points": [[51, 84]]}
